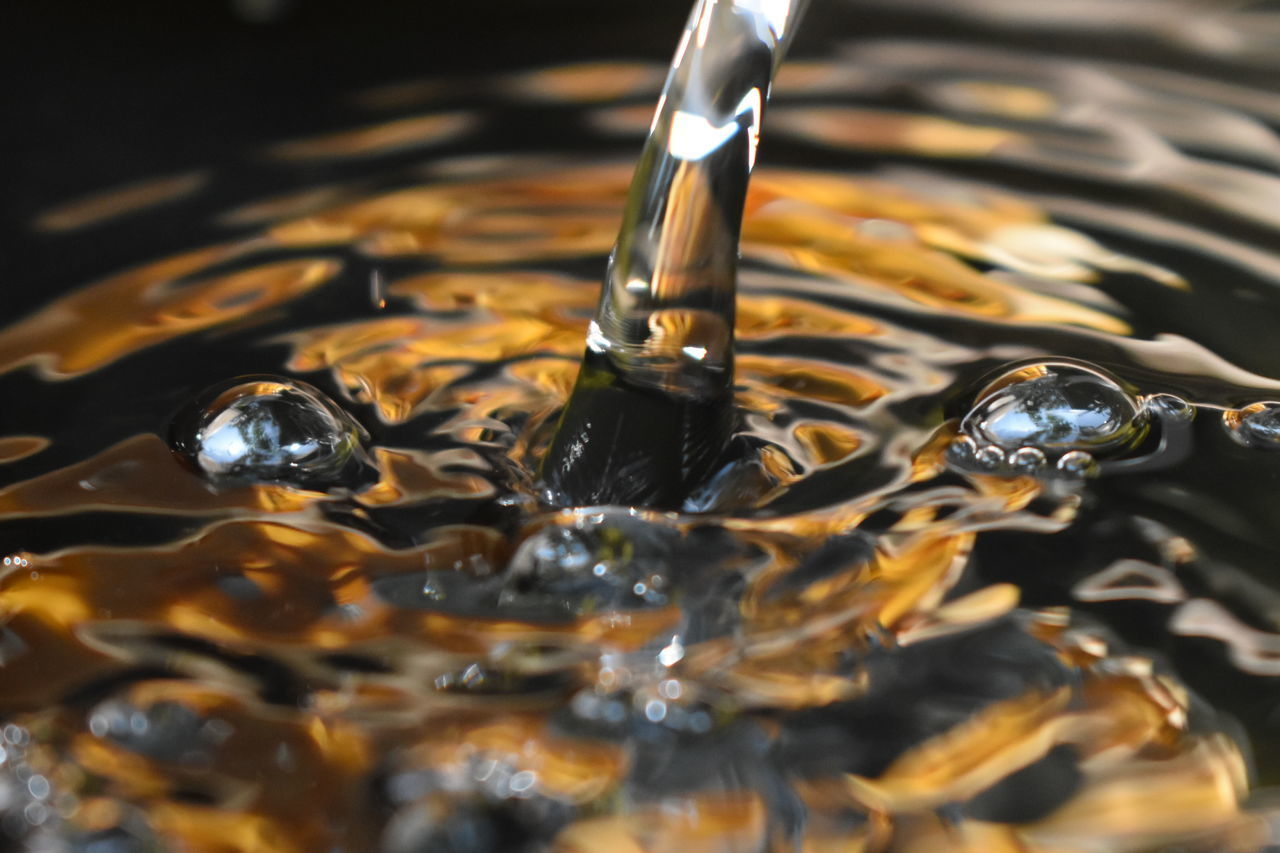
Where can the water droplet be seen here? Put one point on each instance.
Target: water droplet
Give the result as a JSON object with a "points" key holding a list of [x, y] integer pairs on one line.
{"points": [[1256, 425], [268, 429], [1027, 460], [1056, 407], [1077, 463], [456, 590], [472, 676], [672, 653]]}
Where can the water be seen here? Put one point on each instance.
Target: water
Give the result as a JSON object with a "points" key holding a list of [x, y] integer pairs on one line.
{"points": [[660, 348], [1072, 415], [1255, 425], [987, 564], [271, 430]]}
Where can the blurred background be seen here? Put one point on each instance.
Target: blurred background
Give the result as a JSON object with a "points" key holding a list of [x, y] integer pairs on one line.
{"points": [[101, 95]]}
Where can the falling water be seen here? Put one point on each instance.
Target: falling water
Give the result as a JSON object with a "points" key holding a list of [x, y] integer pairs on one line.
{"points": [[651, 412]]}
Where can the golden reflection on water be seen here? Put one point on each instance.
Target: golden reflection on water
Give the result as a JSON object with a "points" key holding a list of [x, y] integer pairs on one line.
{"points": [[150, 305], [851, 229], [120, 202], [15, 447], [398, 135]]}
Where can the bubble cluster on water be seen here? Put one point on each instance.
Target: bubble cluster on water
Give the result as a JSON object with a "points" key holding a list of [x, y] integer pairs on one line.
{"points": [[1059, 417], [38, 809], [164, 731], [21, 806], [664, 703], [582, 563], [482, 804], [613, 559], [32, 807]]}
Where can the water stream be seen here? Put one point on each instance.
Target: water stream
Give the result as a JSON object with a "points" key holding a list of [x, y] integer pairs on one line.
{"points": [[651, 412]]}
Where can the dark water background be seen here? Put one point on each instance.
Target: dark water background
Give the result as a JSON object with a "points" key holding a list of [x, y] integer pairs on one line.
{"points": [[98, 96]]}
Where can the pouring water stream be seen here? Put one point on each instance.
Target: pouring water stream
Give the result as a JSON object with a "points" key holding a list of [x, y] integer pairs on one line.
{"points": [[651, 411]]}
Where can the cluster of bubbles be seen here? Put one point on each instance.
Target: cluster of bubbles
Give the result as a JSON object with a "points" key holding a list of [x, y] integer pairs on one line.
{"points": [[665, 702], [579, 563], [1061, 417], [490, 805], [163, 731], [33, 808], [603, 561], [25, 794]]}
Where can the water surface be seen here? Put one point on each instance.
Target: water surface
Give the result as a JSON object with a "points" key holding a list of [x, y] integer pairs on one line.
{"points": [[856, 643]]}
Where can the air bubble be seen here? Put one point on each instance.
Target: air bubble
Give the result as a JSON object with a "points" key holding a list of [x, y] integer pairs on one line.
{"points": [[1256, 425], [1170, 407], [1077, 463], [962, 452], [273, 430], [164, 731], [1057, 407], [39, 788], [989, 458], [1027, 460]]}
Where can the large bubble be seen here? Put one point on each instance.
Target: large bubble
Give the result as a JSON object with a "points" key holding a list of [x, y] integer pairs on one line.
{"points": [[1055, 407], [272, 430], [1049, 412]]}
